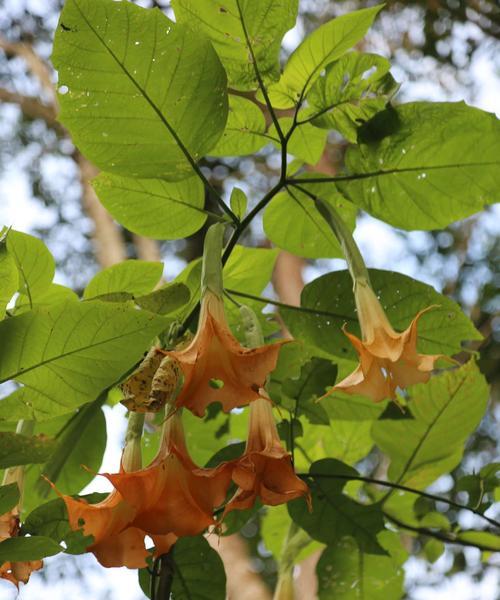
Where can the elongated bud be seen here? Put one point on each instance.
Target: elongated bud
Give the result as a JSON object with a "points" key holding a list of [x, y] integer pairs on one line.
{"points": [[251, 326], [132, 453], [355, 262], [211, 275]]}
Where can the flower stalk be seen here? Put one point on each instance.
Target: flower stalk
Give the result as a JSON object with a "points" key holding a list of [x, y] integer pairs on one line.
{"points": [[132, 454], [211, 274], [296, 540], [354, 259]]}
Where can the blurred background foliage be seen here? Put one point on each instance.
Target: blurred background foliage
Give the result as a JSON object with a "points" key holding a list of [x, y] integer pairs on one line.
{"points": [[440, 50]]}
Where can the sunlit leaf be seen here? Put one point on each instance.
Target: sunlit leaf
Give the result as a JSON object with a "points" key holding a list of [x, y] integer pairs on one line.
{"points": [[9, 282], [138, 92], [424, 165], [292, 222], [34, 262], [238, 202], [445, 411], [306, 142], [324, 45], [154, 207], [66, 355], [53, 294], [225, 22], [353, 90], [135, 276], [245, 131]]}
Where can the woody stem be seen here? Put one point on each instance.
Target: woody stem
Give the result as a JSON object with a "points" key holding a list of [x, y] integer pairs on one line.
{"points": [[355, 262]]}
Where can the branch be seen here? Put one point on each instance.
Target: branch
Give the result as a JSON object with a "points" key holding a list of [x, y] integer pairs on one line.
{"points": [[313, 311], [33, 109], [405, 488], [449, 538], [36, 65]]}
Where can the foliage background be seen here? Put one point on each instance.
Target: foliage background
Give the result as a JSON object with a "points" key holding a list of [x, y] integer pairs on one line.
{"points": [[440, 50]]}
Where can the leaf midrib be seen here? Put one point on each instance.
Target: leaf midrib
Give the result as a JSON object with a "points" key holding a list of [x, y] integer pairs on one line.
{"points": [[70, 353], [428, 430], [162, 118]]}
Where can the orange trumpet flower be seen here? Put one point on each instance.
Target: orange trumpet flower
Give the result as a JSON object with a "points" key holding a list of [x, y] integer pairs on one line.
{"points": [[214, 356], [387, 360], [15, 572], [265, 470], [116, 543], [172, 495]]}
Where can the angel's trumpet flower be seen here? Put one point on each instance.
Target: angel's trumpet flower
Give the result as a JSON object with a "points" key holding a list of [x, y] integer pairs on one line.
{"points": [[265, 470], [215, 366], [172, 495], [116, 541], [387, 360]]}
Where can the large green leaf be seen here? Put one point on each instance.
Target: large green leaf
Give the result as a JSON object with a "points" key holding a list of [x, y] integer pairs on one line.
{"points": [[17, 449], [138, 93], [53, 294], [324, 45], [353, 90], [198, 571], [335, 514], [347, 441], [65, 355], [292, 222], [35, 263], [265, 22], [329, 304], [9, 281], [245, 131], [154, 207], [424, 165], [445, 411], [346, 573], [135, 276], [34, 547]]}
